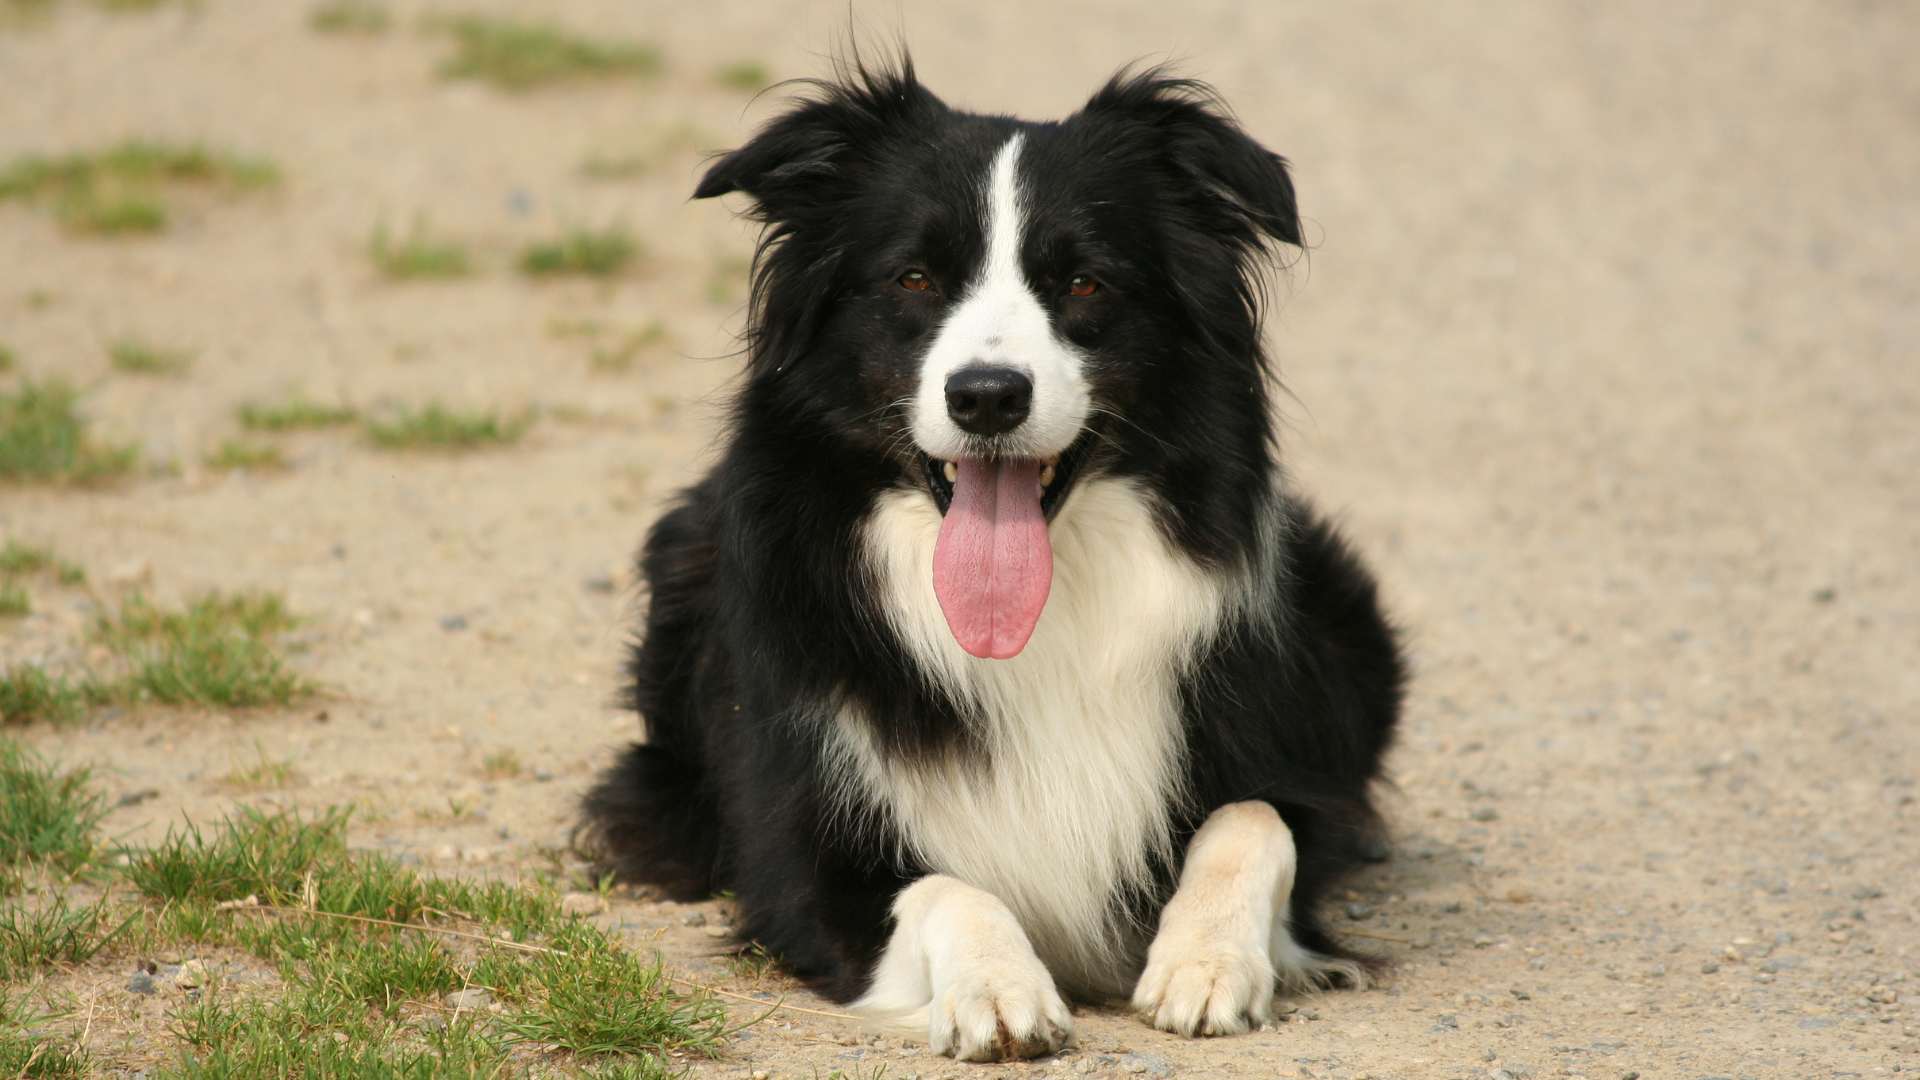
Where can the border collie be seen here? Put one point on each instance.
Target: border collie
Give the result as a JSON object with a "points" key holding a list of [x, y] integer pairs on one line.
{"points": [[994, 660]]}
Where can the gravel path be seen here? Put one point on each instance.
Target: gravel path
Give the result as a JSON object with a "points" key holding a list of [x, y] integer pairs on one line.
{"points": [[1607, 352]]}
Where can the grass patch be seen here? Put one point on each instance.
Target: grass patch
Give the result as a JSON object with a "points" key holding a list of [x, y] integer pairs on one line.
{"points": [[502, 765], [252, 853], [517, 56], [220, 650], [360, 998], [43, 438], [55, 933], [749, 75], [14, 601], [241, 1039], [233, 454], [296, 414], [29, 694], [588, 252], [7, 360], [418, 255], [49, 817], [26, 1052], [17, 559], [436, 427], [121, 189], [600, 999], [619, 358], [349, 17], [132, 357]]}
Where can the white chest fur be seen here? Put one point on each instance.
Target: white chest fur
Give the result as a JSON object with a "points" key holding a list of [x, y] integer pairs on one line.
{"points": [[1068, 807]]}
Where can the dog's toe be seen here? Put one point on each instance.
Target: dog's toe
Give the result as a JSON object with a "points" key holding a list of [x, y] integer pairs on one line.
{"points": [[999, 1018], [1218, 993]]}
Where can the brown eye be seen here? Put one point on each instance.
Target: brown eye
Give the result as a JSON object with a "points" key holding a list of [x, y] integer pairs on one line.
{"points": [[915, 281], [1082, 286]]}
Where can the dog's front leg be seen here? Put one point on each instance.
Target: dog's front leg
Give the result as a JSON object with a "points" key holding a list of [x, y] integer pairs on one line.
{"points": [[1223, 940], [959, 954]]}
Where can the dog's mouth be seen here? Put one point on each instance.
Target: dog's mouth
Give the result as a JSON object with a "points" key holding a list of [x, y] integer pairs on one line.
{"points": [[1056, 474], [993, 562]]}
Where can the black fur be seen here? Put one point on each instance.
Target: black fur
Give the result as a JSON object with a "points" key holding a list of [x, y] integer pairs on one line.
{"points": [[761, 603]]}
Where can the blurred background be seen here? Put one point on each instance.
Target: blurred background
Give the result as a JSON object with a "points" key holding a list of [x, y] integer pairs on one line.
{"points": [[396, 318]]}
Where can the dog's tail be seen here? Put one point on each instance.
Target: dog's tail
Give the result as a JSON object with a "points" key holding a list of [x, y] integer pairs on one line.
{"points": [[648, 822]]}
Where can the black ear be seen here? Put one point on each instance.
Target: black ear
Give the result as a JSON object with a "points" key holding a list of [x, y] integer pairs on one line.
{"points": [[813, 153], [1244, 186]]}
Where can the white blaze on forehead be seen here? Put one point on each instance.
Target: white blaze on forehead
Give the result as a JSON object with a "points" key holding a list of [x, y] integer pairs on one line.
{"points": [[1000, 322]]}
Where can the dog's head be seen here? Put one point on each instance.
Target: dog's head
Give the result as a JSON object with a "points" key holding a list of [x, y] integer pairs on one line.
{"points": [[995, 308]]}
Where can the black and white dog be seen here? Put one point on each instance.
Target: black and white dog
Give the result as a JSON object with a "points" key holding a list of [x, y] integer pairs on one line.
{"points": [[994, 660]]}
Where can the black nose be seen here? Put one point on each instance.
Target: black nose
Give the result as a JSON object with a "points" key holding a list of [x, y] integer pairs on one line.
{"points": [[988, 400]]}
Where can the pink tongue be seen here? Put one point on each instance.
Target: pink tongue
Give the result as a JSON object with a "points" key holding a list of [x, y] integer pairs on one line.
{"points": [[993, 564]]}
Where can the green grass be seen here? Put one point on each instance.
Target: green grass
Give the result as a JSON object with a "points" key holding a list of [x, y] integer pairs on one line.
{"points": [[599, 999], [742, 75], [17, 558], [587, 252], [131, 357], [7, 360], [254, 852], [295, 414], [49, 817], [220, 650], [26, 1052], [28, 695], [436, 427], [122, 189], [515, 55], [418, 255], [349, 17], [54, 933], [359, 998], [590, 998], [14, 601], [43, 438], [233, 454]]}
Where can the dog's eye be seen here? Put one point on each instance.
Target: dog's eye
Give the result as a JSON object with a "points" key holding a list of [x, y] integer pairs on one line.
{"points": [[915, 281], [1082, 286]]}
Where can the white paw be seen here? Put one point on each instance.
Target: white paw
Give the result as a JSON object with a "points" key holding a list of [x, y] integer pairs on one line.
{"points": [[1205, 988], [999, 1014]]}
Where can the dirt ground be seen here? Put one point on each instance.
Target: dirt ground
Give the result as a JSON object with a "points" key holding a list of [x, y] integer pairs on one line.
{"points": [[1607, 353]]}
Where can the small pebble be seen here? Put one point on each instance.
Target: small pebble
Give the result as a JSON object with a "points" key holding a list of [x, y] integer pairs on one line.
{"points": [[1709, 968], [719, 931], [1358, 911], [696, 918], [582, 903], [452, 623], [600, 583], [1485, 813], [141, 983], [475, 997]]}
